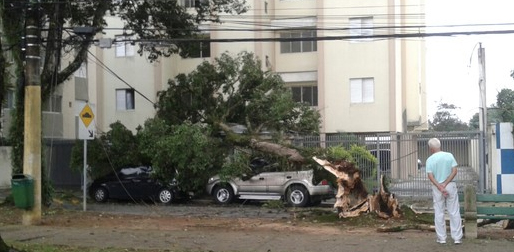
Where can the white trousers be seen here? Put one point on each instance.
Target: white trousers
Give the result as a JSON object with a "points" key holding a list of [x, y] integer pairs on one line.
{"points": [[452, 206]]}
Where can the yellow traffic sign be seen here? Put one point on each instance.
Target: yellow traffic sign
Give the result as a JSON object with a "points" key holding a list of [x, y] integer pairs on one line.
{"points": [[86, 115]]}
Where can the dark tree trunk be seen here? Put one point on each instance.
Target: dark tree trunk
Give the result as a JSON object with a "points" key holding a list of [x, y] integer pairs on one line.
{"points": [[508, 224]]}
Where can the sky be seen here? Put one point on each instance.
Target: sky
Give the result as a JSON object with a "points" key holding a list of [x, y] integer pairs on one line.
{"points": [[452, 62]]}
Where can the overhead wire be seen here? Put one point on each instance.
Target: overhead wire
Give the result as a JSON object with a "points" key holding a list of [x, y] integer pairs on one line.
{"points": [[109, 70]]}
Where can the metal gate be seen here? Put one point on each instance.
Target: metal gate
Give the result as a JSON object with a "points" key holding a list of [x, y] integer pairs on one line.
{"points": [[401, 158], [58, 159]]}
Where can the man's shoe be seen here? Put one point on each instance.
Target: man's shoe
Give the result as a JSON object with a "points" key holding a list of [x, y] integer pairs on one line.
{"points": [[457, 242], [441, 241]]}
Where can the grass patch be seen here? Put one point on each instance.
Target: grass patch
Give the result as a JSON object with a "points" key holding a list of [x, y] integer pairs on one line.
{"points": [[274, 204], [365, 219]]}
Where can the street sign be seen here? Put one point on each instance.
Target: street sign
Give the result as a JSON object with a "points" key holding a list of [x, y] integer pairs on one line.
{"points": [[87, 123]]}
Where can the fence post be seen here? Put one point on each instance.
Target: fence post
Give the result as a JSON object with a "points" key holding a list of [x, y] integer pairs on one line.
{"points": [[470, 212]]}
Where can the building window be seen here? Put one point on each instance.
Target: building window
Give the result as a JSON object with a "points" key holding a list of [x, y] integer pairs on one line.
{"points": [[125, 99], [297, 46], [10, 101], [200, 49], [362, 26], [124, 46], [306, 94], [53, 104], [362, 90]]}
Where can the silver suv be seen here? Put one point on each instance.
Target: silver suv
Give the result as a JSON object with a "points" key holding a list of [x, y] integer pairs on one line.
{"points": [[296, 187]]}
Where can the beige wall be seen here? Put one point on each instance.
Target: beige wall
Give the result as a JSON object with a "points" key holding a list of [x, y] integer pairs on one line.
{"points": [[146, 77], [396, 65]]}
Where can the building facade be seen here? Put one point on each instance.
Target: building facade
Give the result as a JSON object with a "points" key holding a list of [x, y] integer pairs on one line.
{"points": [[346, 58]]}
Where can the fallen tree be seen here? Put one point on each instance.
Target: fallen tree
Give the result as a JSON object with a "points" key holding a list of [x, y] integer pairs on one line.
{"points": [[352, 198]]}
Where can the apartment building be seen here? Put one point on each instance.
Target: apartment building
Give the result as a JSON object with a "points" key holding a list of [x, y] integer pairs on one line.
{"points": [[351, 66]]}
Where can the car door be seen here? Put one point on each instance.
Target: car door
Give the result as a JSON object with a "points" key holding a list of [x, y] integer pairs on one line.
{"points": [[257, 182], [144, 185], [254, 184], [116, 183], [129, 181]]}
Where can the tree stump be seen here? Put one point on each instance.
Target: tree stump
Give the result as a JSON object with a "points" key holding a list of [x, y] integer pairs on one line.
{"points": [[352, 198]]}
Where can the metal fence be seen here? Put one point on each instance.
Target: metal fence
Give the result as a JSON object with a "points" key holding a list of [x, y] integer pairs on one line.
{"points": [[58, 159], [401, 158]]}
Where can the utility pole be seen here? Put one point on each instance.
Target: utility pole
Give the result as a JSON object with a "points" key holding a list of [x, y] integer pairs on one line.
{"points": [[482, 117], [32, 126]]}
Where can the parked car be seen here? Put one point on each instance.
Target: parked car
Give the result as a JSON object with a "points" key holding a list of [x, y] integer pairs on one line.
{"points": [[135, 183], [296, 187]]}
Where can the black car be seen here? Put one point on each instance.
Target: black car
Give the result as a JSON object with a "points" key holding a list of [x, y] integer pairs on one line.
{"points": [[135, 183]]}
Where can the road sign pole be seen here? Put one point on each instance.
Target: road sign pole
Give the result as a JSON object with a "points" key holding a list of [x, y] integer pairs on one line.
{"points": [[85, 176]]}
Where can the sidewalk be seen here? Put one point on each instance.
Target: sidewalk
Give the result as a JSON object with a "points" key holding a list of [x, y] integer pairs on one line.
{"points": [[251, 239]]}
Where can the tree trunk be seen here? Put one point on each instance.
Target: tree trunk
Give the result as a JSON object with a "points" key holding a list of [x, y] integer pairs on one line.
{"points": [[487, 222], [508, 224], [406, 227], [352, 198], [277, 149], [244, 140]]}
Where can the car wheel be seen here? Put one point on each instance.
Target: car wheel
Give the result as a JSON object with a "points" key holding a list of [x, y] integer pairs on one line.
{"points": [[165, 196], [100, 194], [297, 196], [223, 194]]}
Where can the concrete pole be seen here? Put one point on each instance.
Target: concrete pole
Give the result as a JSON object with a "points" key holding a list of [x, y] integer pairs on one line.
{"points": [[32, 130], [482, 121]]}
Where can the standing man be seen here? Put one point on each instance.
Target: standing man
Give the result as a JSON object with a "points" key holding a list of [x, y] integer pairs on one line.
{"points": [[441, 169]]}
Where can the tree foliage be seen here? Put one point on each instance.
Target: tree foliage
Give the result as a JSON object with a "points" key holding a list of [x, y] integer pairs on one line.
{"points": [[445, 120], [113, 150], [185, 152], [148, 20], [502, 111], [235, 90], [190, 138]]}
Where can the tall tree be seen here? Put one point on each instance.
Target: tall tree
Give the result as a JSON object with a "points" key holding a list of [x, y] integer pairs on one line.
{"points": [[446, 120], [146, 20], [505, 105], [235, 90], [502, 111]]}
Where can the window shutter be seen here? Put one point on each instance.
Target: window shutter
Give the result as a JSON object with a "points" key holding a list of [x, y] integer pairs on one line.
{"points": [[368, 90], [355, 26], [367, 27], [120, 99], [355, 91], [129, 49], [120, 49]]}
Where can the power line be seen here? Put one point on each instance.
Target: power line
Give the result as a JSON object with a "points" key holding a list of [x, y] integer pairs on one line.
{"points": [[324, 38], [98, 61]]}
